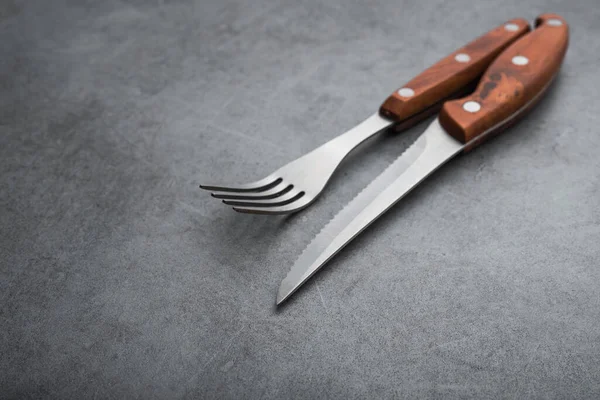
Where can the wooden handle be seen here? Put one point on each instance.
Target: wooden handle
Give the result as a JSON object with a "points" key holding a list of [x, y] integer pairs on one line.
{"points": [[451, 74], [511, 85]]}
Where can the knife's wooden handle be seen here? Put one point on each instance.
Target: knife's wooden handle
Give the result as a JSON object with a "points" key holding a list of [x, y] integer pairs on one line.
{"points": [[453, 73], [512, 84]]}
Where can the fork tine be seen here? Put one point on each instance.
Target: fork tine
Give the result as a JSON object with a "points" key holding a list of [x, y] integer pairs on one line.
{"points": [[258, 186], [297, 205], [272, 193], [287, 198]]}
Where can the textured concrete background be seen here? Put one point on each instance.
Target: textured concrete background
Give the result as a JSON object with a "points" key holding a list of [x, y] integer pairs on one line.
{"points": [[120, 278]]}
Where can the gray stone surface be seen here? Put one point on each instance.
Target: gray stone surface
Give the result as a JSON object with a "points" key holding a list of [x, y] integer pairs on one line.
{"points": [[120, 278]]}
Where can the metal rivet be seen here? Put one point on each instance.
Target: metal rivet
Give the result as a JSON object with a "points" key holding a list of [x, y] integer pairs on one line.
{"points": [[462, 57], [555, 22], [406, 92], [472, 106], [520, 60], [511, 27]]}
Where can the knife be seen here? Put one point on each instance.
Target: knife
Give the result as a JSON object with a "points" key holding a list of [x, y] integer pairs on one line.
{"points": [[297, 184], [513, 83]]}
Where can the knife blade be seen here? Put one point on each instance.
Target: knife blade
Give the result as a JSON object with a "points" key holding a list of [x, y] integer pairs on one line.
{"points": [[297, 184], [514, 82]]}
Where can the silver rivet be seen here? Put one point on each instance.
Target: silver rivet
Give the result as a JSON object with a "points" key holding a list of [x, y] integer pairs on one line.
{"points": [[555, 22], [472, 106], [406, 92], [462, 58], [511, 27], [520, 60]]}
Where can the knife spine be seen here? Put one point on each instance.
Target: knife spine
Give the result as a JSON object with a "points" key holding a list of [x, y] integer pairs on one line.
{"points": [[372, 189]]}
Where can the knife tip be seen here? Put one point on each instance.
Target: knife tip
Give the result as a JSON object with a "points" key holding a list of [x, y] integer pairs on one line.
{"points": [[283, 294], [280, 299]]}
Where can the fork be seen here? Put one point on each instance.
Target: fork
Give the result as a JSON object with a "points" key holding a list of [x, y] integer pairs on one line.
{"points": [[297, 184]]}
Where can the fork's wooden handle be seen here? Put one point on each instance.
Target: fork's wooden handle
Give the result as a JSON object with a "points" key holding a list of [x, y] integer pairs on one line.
{"points": [[453, 73], [512, 84]]}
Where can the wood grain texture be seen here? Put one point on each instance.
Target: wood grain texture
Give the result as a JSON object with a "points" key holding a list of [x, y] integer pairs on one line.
{"points": [[445, 78], [507, 90]]}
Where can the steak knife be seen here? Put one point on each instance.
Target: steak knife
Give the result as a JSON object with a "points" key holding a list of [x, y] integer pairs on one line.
{"points": [[512, 84], [297, 184]]}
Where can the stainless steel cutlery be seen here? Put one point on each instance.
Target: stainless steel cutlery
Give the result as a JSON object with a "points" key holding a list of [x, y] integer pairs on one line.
{"points": [[511, 67], [514, 82], [297, 184]]}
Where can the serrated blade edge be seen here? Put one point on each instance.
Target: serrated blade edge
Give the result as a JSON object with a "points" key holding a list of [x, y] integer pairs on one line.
{"points": [[330, 240]]}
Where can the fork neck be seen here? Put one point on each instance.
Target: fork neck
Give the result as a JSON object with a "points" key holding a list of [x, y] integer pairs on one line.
{"points": [[349, 140]]}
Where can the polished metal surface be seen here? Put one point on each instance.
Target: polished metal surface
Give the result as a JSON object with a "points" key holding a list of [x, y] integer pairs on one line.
{"points": [[462, 58], [433, 148], [297, 184], [555, 22], [472, 106], [520, 60], [406, 92], [120, 279]]}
